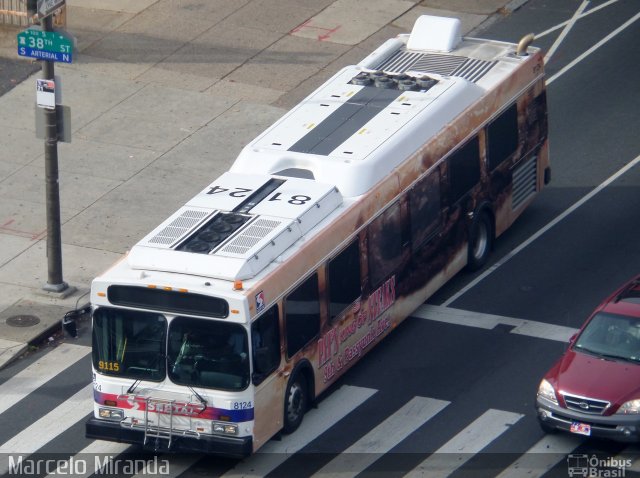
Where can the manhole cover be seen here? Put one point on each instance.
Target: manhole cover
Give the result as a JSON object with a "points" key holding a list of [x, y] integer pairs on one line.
{"points": [[22, 320]]}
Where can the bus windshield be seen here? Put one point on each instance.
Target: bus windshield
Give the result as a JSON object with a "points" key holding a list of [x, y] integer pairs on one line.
{"points": [[208, 353], [128, 343]]}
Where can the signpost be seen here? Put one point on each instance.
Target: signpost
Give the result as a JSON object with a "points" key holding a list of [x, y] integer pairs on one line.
{"points": [[49, 46]]}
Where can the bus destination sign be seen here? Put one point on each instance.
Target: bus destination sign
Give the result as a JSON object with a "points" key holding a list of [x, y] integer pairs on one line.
{"points": [[51, 46]]}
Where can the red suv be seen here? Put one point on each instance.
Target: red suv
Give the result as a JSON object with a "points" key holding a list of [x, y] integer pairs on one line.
{"points": [[594, 388]]}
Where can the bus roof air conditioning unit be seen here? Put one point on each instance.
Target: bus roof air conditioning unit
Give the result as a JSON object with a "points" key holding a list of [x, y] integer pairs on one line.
{"points": [[435, 33]]}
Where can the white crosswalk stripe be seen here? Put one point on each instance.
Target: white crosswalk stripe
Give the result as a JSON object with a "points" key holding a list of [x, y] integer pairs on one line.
{"points": [[542, 456], [178, 465], [331, 410], [457, 451], [48, 427], [383, 438], [95, 448], [39, 373]]}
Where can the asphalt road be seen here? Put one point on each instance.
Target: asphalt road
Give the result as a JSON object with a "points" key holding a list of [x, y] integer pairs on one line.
{"points": [[13, 72], [477, 374]]}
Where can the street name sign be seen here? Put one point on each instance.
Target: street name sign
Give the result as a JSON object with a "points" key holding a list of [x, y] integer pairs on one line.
{"points": [[47, 7], [51, 46]]}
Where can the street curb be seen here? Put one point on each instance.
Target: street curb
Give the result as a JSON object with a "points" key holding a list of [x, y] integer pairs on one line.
{"points": [[22, 347], [509, 8]]}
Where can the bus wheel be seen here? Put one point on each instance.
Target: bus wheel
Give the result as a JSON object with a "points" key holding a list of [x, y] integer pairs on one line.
{"points": [[295, 403], [480, 241]]}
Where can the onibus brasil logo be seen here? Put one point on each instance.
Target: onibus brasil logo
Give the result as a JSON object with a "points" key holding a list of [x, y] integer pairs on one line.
{"points": [[592, 466]]}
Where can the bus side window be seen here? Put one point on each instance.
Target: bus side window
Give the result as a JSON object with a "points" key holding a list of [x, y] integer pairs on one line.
{"points": [[464, 170], [265, 341], [424, 207], [302, 315], [385, 241], [502, 137], [344, 279]]}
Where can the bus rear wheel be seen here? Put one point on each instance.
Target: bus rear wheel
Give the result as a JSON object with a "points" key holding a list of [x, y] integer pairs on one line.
{"points": [[295, 403], [480, 241]]}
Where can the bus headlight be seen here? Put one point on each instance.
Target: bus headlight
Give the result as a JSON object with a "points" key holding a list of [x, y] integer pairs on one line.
{"points": [[110, 414], [632, 407], [225, 428], [545, 390]]}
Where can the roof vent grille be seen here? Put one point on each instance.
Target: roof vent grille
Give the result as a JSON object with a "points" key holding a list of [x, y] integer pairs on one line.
{"points": [[178, 227], [445, 65], [253, 234]]}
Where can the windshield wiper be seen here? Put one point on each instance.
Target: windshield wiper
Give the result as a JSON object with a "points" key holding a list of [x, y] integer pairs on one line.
{"points": [[134, 385], [200, 399], [603, 355]]}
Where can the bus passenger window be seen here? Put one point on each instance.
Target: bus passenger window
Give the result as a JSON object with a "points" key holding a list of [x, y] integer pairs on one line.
{"points": [[502, 137], [265, 341], [424, 207], [464, 170], [344, 279], [302, 315], [385, 244]]}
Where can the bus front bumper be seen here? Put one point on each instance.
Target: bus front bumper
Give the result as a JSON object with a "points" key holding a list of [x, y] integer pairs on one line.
{"points": [[236, 447]]}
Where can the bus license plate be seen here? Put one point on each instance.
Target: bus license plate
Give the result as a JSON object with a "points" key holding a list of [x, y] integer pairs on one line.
{"points": [[580, 428]]}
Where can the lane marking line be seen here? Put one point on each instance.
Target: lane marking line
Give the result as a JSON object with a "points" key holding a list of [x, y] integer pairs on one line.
{"points": [[593, 48], [566, 30], [530, 328], [560, 25], [540, 232]]}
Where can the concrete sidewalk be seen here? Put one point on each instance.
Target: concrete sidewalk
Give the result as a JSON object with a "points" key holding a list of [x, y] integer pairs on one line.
{"points": [[163, 96]]}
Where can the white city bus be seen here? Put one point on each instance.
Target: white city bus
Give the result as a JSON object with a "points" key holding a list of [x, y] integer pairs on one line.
{"points": [[221, 326]]}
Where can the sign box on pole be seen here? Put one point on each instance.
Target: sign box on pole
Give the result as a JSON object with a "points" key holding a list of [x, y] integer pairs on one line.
{"points": [[47, 7], [63, 115], [46, 93]]}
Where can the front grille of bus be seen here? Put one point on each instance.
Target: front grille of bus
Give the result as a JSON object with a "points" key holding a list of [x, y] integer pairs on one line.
{"points": [[585, 405], [524, 182], [446, 65]]}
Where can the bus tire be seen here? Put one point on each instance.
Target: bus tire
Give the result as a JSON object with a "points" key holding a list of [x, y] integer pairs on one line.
{"points": [[480, 241], [295, 403]]}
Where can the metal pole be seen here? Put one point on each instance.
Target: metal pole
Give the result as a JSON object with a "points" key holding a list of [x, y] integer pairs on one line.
{"points": [[54, 242]]}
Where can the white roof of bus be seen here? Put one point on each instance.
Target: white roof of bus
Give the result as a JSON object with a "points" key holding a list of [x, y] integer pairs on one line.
{"points": [[338, 142], [346, 135]]}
